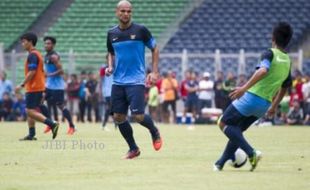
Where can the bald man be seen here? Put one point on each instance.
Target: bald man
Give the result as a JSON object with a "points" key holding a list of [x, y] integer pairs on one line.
{"points": [[126, 51]]}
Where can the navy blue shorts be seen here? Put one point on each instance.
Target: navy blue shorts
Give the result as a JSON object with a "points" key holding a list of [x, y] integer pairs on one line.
{"points": [[191, 103], [54, 97], [128, 96], [232, 116], [34, 99]]}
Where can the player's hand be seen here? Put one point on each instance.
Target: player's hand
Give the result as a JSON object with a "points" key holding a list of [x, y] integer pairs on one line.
{"points": [[271, 111], [109, 71], [18, 88], [237, 93], [152, 77]]}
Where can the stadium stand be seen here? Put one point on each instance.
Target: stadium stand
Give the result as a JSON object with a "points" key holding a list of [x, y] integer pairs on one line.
{"points": [[16, 16], [232, 25], [84, 25]]}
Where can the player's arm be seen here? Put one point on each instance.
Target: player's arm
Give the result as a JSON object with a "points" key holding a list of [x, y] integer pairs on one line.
{"points": [[261, 71], [32, 68], [278, 98], [55, 59], [150, 42], [110, 57]]}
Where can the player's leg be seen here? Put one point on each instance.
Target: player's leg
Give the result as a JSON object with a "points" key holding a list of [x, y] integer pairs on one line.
{"points": [[33, 101], [229, 124], [32, 130], [119, 109], [135, 95], [60, 102], [244, 125], [228, 153]]}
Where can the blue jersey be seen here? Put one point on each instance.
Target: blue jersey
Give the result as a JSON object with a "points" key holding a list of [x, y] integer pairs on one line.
{"points": [[53, 82], [128, 46], [192, 84]]}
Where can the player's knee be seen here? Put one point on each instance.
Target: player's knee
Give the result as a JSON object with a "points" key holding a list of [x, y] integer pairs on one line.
{"points": [[119, 118], [138, 118]]}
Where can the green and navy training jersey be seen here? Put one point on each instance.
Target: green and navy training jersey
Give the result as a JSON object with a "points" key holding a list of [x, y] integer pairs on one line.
{"points": [[128, 46], [278, 64], [55, 82], [257, 100]]}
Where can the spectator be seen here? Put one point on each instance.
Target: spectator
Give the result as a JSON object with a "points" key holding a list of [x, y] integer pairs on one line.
{"points": [[82, 96], [183, 91], [219, 93], [160, 109], [92, 97], [297, 84], [19, 108], [241, 80], [306, 95], [169, 88], [73, 94], [153, 100], [6, 108], [106, 91], [191, 103], [295, 115], [6, 86], [229, 84], [205, 91]]}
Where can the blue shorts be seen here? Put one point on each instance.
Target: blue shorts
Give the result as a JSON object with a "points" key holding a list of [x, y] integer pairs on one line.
{"points": [[55, 97], [232, 116], [34, 99], [128, 96], [191, 103], [251, 105]]}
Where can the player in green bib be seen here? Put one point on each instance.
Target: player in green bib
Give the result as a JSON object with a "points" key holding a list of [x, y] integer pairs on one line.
{"points": [[262, 93]]}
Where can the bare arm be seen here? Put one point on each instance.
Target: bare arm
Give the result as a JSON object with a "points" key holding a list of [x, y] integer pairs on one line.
{"points": [[56, 61], [29, 77], [153, 76], [276, 101], [109, 70], [258, 75]]}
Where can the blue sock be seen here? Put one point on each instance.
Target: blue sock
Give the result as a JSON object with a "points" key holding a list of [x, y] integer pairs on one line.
{"points": [[49, 122], [234, 133], [67, 115], [32, 131], [149, 124], [127, 133], [44, 111], [228, 153]]}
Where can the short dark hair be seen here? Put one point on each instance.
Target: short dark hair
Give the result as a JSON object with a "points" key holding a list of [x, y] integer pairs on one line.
{"points": [[282, 34], [53, 39], [31, 37]]}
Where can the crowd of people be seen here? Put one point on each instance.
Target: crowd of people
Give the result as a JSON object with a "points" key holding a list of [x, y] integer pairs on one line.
{"points": [[88, 100]]}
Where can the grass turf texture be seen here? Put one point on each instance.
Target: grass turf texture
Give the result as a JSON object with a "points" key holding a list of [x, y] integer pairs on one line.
{"points": [[184, 162]]}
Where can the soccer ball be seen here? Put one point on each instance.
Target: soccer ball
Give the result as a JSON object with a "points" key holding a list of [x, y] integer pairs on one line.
{"points": [[239, 159]]}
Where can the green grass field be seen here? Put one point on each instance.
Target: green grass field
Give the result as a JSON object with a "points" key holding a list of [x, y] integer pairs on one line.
{"points": [[184, 162]]}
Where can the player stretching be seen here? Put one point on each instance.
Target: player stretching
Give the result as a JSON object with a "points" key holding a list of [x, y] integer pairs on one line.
{"points": [[34, 86], [261, 94], [55, 84], [126, 46]]}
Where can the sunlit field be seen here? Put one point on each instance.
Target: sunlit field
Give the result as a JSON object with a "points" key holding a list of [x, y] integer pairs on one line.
{"points": [[92, 159]]}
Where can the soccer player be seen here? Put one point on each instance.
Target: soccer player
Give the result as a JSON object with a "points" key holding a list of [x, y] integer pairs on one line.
{"points": [[34, 84], [262, 93], [126, 50], [55, 83]]}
